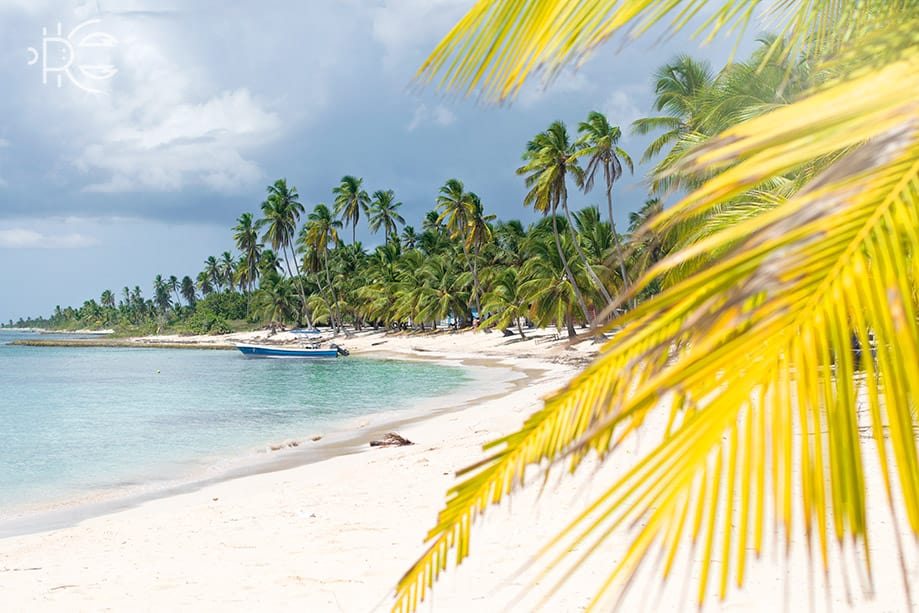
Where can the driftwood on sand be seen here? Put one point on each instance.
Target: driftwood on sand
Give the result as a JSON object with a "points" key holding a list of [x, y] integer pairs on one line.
{"points": [[391, 439]]}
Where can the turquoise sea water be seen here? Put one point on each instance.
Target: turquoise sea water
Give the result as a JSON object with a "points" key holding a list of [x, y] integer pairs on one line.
{"points": [[78, 420]]}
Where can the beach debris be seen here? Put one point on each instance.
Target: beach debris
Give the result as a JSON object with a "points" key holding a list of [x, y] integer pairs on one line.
{"points": [[282, 445], [391, 439], [316, 437]]}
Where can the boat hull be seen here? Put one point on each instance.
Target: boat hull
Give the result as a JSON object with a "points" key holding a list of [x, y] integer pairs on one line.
{"points": [[269, 351]]}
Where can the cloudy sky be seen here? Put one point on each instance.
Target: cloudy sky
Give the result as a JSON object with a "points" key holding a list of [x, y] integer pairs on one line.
{"points": [[172, 117]]}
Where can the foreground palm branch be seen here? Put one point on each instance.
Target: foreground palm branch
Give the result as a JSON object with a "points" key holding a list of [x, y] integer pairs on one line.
{"points": [[752, 357], [500, 43]]}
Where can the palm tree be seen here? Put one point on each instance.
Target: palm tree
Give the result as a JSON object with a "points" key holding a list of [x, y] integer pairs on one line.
{"points": [[320, 231], [214, 275], [107, 299], [246, 237], [204, 283], [268, 262], [679, 86], [276, 299], [161, 293], [409, 238], [281, 210], [455, 205], [740, 354], [478, 234], [549, 158], [506, 301], [384, 212], [350, 201], [188, 290], [599, 142], [173, 285], [226, 266]]}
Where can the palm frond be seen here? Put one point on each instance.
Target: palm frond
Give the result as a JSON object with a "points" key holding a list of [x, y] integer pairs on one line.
{"points": [[750, 352], [498, 44]]}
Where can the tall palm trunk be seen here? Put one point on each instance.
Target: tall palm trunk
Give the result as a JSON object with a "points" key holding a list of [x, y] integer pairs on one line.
{"points": [[574, 284], [475, 280], [577, 246], [328, 280], [612, 222], [322, 297], [309, 321]]}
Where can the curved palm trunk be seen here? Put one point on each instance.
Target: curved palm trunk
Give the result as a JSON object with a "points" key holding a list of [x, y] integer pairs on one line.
{"points": [[577, 246], [574, 284], [619, 254], [304, 311], [475, 280], [322, 297], [569, 325], [328, 280]]}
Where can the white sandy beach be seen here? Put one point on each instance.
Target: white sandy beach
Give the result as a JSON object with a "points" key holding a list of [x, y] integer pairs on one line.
{"points": [[336, 535]]}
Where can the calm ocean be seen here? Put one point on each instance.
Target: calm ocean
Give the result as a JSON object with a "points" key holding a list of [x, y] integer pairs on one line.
{"points": [[74, 421]]}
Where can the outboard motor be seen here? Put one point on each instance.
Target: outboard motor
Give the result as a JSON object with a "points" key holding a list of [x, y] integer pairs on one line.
{"points": [[340, 350]]}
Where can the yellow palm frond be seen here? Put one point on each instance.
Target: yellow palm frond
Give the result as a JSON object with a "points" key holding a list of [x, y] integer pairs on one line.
{"points": [[498, 44], [752, 356]]}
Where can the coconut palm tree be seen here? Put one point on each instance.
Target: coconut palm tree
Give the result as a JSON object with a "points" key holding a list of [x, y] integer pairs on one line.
{"points": [[321, 231], [214, 275], [679, 88], [740, 354], [269, 262], [161, 293], [282, 210], [107, 299], [226, 267], [188, 290], [384, 212], [173, 285], [246, 237], [549, 158], [506, 302], [409, 238], [350, 201], [599, 143], [276, 299], [204, 283], [478, 234]]}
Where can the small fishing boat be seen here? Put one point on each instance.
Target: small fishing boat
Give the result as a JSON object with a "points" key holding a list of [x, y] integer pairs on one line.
{"points": [[281, 351]]}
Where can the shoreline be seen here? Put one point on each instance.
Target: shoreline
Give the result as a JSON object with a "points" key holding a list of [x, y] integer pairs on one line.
{"points": [[336, 534], [347, 436], [261, 526]]}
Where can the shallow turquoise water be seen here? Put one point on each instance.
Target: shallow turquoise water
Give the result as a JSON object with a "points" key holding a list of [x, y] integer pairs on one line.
{"points": [[76, 420]]}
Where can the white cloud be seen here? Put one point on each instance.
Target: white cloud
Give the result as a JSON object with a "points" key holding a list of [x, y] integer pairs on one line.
{"points": [[164, 125], [186, 144], [622, 108], [19, 238], [439, 115], [404, 27], [565, 84]]}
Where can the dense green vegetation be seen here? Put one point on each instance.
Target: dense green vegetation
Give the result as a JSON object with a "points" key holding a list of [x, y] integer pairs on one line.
{"points": [[293, 267], [290, 267]]}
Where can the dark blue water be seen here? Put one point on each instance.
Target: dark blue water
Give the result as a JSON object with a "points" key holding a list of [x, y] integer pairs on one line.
{"points": [[75, 420]]}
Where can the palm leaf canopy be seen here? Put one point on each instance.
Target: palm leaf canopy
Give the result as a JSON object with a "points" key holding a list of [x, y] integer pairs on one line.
{"points": [[751, 358]]}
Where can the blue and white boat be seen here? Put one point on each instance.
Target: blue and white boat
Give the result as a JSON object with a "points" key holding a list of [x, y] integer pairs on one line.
{"points": [[281, 351]]}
